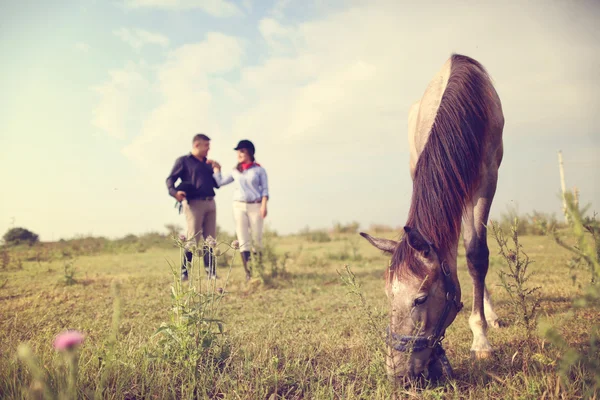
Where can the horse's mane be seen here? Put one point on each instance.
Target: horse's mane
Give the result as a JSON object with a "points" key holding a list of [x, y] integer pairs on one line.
{"points": [[447, 171]]}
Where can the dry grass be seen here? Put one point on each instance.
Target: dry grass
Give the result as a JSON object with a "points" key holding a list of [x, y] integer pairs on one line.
{"points": [[302, 338]]}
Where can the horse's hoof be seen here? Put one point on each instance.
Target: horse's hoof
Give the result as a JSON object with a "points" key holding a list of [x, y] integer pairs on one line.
{"points": [[481, 354], [497, 323], [494, 323]]}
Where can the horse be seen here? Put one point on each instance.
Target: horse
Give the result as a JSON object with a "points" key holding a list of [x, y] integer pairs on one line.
{"points": [[455, 140]]}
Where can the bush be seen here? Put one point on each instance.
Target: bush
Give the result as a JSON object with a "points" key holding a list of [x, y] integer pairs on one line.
{"points": [[318, 236], [587, 251], [524, 300], [174, 229], [193, 341], [380, 228], [350, 252], [536, 223], [224, 236], [16, 236], [352, 227]]}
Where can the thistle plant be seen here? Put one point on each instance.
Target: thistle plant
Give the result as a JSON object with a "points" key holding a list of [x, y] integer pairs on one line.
{"points": [[525, 300], [110, 357], [194, 337], [67, 343], [587, 250], [69, 272], [372, 322]]}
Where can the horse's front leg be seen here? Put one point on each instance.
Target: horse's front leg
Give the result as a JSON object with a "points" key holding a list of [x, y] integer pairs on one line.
{"points": [[490, 315], [477, 252]]}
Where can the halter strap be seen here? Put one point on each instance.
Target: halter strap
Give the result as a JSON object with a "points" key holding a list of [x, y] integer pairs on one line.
{"points": [[438, 332], [441, 355], [407, 343], [420, 343]]}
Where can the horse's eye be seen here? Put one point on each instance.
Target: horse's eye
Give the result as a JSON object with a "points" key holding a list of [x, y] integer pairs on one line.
{"points": [[420, 300]]}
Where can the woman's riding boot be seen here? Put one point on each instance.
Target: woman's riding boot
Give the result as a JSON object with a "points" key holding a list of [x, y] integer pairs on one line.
{"points": [[245, 260]]}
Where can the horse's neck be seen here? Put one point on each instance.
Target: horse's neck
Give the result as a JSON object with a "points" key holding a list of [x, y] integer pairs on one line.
{"points": [[452, 257], [421, 115]]}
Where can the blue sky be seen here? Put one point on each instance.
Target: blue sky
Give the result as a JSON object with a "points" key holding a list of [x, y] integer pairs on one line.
{"points": [[99, 98]]}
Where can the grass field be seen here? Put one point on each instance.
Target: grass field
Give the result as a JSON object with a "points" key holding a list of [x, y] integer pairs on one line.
{"points": [[299, 334]]}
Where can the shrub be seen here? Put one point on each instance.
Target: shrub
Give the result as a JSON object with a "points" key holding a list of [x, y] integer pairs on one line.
{"points": [[224, 236], [317, 236], [4, 258], [16, 236], [352, 227], [536, 223], [277, 264], [193, 341], [350, 252], [586, 251], [524, 300], [174, 229], [380, 228]]}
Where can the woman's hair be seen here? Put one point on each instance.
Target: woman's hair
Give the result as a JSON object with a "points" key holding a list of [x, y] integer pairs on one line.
{"points": [[250, 154]]}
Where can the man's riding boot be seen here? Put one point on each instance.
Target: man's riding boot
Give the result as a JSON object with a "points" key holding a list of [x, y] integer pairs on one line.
{"points": [[209, 262], [245, 260], [184, 265]]}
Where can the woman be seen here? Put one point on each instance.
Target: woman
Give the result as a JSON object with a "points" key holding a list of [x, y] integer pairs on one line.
{"points": [[250, 198]]}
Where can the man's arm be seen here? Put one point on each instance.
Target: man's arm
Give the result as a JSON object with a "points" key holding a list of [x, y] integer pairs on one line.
{"points": [[173, 176]]}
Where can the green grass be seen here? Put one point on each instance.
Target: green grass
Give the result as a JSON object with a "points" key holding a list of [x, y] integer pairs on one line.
{"points": [[303, 336]]}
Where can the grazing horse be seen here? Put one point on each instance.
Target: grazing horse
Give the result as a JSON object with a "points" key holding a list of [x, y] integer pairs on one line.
{"points": [[455, 138]]}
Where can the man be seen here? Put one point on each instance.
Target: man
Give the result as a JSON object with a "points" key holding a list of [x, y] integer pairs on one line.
{"points": [[196, 193]]}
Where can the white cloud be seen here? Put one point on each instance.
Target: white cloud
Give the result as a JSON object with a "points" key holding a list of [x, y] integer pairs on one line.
{"points": [[120, 100], [281, 40], [278, 9], [247, 4], [138, 38], [328, 106], [215, 8], [82, 46], [183, 86]]}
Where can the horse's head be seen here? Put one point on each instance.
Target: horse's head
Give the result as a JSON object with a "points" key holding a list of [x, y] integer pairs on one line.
{"points": [[424, 300]]}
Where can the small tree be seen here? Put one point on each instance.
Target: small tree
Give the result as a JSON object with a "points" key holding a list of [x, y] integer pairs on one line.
{"points": [[173, 229], [16, 236]]}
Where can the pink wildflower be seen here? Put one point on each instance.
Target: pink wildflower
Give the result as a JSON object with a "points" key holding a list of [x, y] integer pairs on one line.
{"points": [[68, 340], [182, 237]]}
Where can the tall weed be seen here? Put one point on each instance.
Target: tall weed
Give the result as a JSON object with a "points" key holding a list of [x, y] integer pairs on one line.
{"points": [[576, 363]]}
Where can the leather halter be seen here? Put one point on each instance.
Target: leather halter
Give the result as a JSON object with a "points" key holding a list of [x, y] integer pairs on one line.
{"points": [[409, 343]]}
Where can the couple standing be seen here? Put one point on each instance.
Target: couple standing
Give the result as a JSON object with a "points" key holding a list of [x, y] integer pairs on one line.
{"points": [[196, 192]]}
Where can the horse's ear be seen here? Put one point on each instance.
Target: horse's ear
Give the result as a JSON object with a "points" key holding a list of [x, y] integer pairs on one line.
{"points": [[382, 244], [417, 241]]}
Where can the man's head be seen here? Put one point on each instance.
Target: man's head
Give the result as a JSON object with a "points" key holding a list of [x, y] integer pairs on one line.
{"points": [[200, 145]]}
